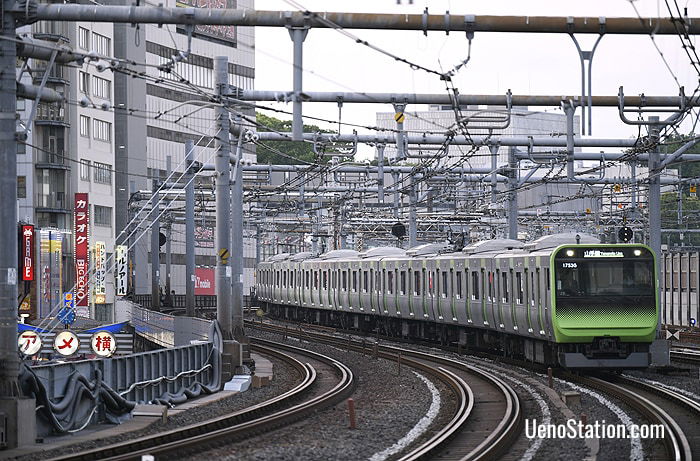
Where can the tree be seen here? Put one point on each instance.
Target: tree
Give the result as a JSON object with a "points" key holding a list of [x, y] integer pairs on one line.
{"points": [[294, 152], [689, 216]]}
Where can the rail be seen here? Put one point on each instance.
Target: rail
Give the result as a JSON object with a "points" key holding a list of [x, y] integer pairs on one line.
{"points": [[241, 424]]}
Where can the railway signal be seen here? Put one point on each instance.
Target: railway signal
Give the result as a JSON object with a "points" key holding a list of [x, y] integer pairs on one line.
{"points": [[625, 234]]}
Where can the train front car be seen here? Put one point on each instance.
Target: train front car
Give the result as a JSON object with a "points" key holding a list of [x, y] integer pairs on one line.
{"points": [[604, 305]]}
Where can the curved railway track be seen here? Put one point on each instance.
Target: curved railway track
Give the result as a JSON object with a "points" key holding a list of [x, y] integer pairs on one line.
{"points": [[263, 417], [679, 415], [686, 355], [488, 415]]}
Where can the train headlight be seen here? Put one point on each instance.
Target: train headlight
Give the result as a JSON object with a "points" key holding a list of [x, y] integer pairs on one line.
{"points": [[569, 253], [637, 252]]}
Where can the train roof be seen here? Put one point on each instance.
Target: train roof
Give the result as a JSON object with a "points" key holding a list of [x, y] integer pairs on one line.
{"points": [[499, 245], [555, 240], [379, 252]]}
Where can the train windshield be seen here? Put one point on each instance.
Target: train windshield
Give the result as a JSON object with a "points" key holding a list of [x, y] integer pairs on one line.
{"points": [[596, 278]]}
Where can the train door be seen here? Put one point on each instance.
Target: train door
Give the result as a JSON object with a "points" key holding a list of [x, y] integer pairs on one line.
{"points": [[515, 280], [527, 296], [540, 301]]}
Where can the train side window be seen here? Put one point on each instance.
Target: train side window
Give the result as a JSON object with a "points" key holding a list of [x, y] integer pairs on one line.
{"points": [[390, 281], [492, 296], [424, 281], [444, 284], [403, 282], [279, 278], [546, 276], [325, 280], [504, 286], [475, 285], [334, 280], [458, 281], [354, 281], [382, 289], [365, 282], [315, 280], [416, 283], [306, 279], [532, 287], [519, 287]]}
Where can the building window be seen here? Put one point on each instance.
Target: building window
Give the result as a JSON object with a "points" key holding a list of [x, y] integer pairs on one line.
{"points": [[84, 126], [102, 130], [102, 88], [102, 173], [103, 216], [21, 187], [84, 38], [84, 82], [101, 44], [85, 170]]}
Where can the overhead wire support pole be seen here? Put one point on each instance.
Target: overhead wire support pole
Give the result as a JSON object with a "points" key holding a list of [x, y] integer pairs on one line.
{"points": [[586, 98], [512, 194], [155, 248], [237, 238], [9, 362], [223, 202], [655, 202], [189, 230], [298, 35]]}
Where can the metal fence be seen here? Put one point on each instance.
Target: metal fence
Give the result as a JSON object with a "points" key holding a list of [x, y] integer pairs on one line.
{"points": [[680, 279]]}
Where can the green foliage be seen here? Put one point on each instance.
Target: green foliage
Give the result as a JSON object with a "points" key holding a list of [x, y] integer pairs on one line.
{"points": [[690, 217], [300, 152], [689, 201]]}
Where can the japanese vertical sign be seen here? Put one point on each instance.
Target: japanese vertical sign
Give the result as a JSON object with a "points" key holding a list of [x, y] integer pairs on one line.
{"points": [[27, 253], [81, 220], [120, 269], [100, 273], [50, 264]]}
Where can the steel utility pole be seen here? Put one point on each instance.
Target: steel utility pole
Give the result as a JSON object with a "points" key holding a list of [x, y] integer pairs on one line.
{"points": [[155, 249], [189, 229], [168, 235], [237, 239], [223, 202], [20, 413]]}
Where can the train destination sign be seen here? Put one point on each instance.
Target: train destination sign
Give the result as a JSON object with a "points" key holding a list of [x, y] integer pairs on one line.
{"points": [[603, 254]]}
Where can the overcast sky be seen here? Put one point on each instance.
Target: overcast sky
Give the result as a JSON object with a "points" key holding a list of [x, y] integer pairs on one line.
{"points": [[545, 64]]}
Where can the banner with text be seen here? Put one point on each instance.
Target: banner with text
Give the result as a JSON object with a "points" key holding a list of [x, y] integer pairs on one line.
{"points": [[81, 220], [100, 285], [120, 256], [204, 281]]}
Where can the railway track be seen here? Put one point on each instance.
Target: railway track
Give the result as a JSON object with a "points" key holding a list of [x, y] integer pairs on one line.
{"points": [[679, 415], [686, 355], [488, 416], [263, 417]]}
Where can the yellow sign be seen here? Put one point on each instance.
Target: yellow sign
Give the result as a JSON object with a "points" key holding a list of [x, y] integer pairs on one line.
{"points": [[617, 188], [224, 254], [100, 299], [693, 189], [588, 211], [399, 117]]}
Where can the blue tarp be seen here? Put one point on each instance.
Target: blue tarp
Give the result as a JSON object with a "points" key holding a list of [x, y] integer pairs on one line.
{"points": [[113, 328], [24, 327]]}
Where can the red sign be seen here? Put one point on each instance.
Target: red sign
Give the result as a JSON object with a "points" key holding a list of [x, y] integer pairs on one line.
{"points": [[81, 220], [204, 281], [27, 252]]}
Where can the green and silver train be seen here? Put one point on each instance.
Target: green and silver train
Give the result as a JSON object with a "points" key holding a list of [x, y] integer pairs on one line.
{"points": [[563, 299]]}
